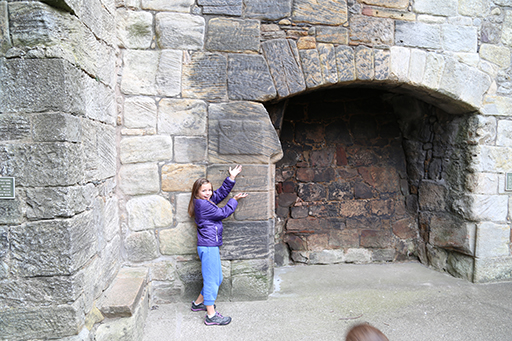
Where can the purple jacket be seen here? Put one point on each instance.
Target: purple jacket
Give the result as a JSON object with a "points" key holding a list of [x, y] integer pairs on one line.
{"points": [[208, 215]]}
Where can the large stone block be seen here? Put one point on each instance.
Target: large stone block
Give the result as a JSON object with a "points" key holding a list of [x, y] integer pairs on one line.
{"points": [[492, 240], [148, 213], [436, 7], [52, 202], [364, 63], [447, 231], [249, 78], [459, 38], [251, 279], [141, 246], [282, 57], [241, 132], [253, 177], [345, 62], [5, 38], [256, 206], [179, 31], [268, 9], [182, 201], [331, 35], [434, 68], [171, 6], [182, 117], [417, 64], [222, 7], [246, 240], [493, 269], [474, 8], [382, 60], [418, 34], [53, 247], [30, 323], [488, 208], [499, 55], [145, 149], [56, 127], [190, 149], [138, 179], [432, 196], [327, 12], [506, 31], [497, 105], [311, 66], [12, 211], [99, 148], [180, 177], [134, 29], [371, 30], [43, 164], [15, 127], [181, 240], [327, 57], [151, 72], [205, 76], [25, 84], [504, 135], [233, 35], [100, 101], [140, 113], [460, 265]]}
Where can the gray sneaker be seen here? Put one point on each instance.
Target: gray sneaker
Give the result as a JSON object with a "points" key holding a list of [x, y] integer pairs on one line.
{"points": [[217, 320], [200, 306]]}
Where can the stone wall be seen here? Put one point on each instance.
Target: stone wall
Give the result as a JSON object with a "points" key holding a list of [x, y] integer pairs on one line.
{"points": [[111, 109], [60, 240]]}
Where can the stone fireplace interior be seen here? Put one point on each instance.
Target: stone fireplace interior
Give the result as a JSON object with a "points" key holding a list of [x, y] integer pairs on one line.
{"points": [[368, 176]]}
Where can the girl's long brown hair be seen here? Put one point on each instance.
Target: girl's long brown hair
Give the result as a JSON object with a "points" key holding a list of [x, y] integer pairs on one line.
{"points": [[195, 188]]}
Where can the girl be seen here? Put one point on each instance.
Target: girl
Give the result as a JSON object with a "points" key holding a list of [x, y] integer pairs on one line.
{"points": [[208, 217]]}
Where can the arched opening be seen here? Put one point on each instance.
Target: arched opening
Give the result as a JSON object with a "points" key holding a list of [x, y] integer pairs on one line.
{"points": [[371, 176]]}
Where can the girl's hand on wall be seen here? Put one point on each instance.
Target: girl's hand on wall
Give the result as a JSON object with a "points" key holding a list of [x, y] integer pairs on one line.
{"points": [[234, 172], [240, 196]]}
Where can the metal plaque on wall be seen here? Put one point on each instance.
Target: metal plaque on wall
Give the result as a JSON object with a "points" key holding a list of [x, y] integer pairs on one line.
{"points": [[508, 182], [7, 188]]}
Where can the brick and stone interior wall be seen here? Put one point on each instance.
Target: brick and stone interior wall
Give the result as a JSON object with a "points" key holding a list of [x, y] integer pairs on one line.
{"points": [[370, 176]]}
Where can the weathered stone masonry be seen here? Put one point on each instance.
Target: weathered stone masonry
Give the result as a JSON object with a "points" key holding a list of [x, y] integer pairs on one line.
{"points": [[109, 110]]}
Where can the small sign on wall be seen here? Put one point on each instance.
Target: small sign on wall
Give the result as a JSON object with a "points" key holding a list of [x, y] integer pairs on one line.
{"points": [[508, 182], [7, 188]]}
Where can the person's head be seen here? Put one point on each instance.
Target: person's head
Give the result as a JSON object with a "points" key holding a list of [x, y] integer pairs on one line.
{"points": [[365, 332], [202, 189]]}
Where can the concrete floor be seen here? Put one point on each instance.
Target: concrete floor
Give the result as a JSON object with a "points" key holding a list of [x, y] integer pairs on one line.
{"points": [[406, 301]]}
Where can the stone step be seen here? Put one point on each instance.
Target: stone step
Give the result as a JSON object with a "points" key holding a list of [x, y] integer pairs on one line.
{"points": [[121, 299]]}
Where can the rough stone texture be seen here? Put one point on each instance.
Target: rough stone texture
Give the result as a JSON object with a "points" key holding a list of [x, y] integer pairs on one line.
{"points": [[499, 55], [402, 4], [252, 179], [151, 72], [52, 202], [345, 61], [134, 29], [29, 323], [182, 201], [171, 6], [140, 112], [327, 12], [38, 247], [506, 32], [99, 150], [179, 31], [145, 149], [256, 206], [233, 35], [382, 61], [11, 212], [370, 30], [281, 56], [222, 7], [268, 9], [139, 179], [14, 127], [459, 38], [190, 149], [472, 8], [492, 269], [205, 76], [182, 117], [311, 66], [246, 240], [180, 177], [327, 57], [251, 279], [448, 232], [5, 39], [149, 212], [332, 35], [418, 34], [436, 7], [364, 63], [249, 78], [239, 132], [56, 127], [181, 240], [141, 246], [492, 240]]}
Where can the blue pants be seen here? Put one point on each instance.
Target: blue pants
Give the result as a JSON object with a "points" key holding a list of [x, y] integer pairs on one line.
{"points": [[211, 270]]}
